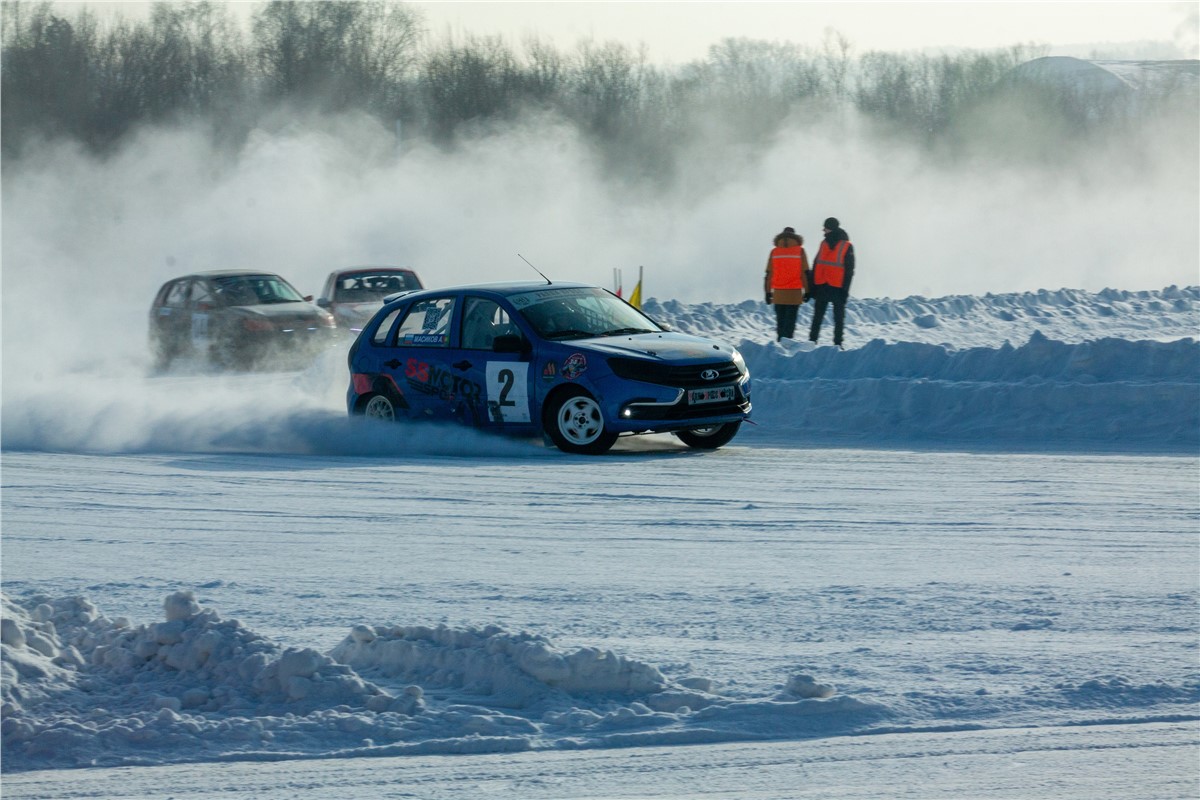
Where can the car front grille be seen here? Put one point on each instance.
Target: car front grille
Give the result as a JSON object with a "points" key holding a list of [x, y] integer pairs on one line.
{"points": [[690, 376]]}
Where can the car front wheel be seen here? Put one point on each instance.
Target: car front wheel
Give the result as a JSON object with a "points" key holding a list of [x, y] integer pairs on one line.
{"points": [[575, 424], [709, 437]]}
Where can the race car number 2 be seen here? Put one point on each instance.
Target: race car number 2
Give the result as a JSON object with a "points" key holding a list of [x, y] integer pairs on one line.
{"points": [[508, 391]]}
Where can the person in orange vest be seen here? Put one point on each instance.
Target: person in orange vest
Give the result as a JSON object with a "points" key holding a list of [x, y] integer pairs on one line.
{"points": [[786, 283], [832, 271]]}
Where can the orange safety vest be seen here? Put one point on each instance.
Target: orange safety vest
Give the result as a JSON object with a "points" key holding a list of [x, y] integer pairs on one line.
{"points": [[787, 267], [829, 268]]}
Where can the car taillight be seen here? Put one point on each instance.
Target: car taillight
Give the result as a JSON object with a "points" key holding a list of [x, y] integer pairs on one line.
{"points": [[257, 325], [362, 383]]}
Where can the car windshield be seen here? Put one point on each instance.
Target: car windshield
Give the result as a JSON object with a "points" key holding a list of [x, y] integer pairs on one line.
{"points": [[580, 313], [255, 290], [368, 287]]}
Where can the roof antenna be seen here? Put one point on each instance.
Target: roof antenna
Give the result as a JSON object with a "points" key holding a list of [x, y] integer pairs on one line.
{"points": [[535, 269]]}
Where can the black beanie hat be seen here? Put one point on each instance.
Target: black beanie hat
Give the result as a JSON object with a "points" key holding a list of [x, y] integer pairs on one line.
{"points": [[832, 224]]}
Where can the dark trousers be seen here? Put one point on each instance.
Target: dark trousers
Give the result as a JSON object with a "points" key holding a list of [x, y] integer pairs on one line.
{"points": [[822, 297], [785, 321]]}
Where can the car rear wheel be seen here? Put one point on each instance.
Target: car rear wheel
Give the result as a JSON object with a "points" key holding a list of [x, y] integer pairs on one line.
{"points": [[575, 424], [379, 407], [710, 437]]}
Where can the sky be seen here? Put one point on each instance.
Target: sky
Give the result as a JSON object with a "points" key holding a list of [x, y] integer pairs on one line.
{"points": [[682, 31]]}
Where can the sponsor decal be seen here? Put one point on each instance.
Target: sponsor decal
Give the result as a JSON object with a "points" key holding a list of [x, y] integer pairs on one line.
{"points": [[435, 379], [574, 366], [549, 372]]}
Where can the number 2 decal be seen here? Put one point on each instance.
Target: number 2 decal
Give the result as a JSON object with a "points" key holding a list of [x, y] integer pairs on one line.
{"points": [[508, 391], [506, 385]]}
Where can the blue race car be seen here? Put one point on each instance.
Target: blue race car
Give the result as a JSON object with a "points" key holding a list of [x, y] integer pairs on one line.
{"points": [[570, 361]]}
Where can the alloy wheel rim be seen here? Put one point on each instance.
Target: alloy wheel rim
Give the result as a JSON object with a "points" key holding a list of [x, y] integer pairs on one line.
{"points": [[580, 421], [379, 408]]}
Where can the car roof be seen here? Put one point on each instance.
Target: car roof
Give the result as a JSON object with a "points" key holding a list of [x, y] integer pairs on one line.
{"points": [[504, 288], [226, 273], [372, 268]]}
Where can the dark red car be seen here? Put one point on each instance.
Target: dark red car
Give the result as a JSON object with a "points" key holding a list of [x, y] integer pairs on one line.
{"points": [[236, 319]]}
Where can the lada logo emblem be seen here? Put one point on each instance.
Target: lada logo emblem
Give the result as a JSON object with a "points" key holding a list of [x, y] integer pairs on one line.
{"points": [[709, 374]]}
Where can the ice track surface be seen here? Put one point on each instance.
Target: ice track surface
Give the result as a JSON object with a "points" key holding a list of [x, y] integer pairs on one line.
{"points": [[817, 599]]}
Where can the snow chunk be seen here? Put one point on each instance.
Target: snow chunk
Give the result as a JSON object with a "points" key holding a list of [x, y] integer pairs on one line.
{"points": [[181, 606], [514, 670], [806, 686]]}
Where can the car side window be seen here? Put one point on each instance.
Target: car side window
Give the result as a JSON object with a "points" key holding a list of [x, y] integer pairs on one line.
{"points": [[380, 337], [177, 295], [484, 320], [427, 324], [201, 297]]}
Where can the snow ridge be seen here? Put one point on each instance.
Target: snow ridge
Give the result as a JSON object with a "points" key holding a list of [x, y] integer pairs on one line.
{"points": [[956, 321], [80, 689], [1111, 371]]}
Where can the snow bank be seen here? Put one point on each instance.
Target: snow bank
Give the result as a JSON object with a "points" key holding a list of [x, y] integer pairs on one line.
{"points": [[80, 689], [959, 321], [1104, 394]]}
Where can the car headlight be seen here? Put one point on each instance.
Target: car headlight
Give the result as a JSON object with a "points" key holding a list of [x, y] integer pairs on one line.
{"points": [[740, 363]]}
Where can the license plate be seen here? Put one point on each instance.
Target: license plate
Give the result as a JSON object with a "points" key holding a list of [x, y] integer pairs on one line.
{"points": [[714, 394]]}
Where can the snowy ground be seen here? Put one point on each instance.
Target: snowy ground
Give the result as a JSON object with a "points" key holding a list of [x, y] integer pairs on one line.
{"points": [[209, 572]]}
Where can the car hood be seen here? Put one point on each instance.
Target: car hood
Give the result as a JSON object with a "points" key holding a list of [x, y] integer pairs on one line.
{"points": [[359, 309], [280, 311], [664, 346]]}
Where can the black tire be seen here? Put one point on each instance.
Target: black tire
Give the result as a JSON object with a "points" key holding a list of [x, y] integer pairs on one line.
{"points": [[377, 406], [574, 422], [710, 437]]}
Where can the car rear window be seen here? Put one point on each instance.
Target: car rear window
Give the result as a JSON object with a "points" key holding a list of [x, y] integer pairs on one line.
{"points": [[380, 337], [364, 287]]}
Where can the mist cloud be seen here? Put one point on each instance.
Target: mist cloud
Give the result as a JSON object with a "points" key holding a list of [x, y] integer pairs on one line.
{"points": [[87, 241]]}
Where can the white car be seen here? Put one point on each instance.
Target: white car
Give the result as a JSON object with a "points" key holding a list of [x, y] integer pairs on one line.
{"points": [[354, 294]]}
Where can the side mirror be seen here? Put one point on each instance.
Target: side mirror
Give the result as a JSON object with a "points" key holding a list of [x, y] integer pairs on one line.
{"points": [[508, 344], [322, 302]]}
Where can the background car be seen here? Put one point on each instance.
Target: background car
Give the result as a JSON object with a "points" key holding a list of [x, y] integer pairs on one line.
{"points": [[571, 361], [354, 294], [236, 319]]}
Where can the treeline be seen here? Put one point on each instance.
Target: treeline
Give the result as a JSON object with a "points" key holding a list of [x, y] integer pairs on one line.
{"points": [[95, 80]]}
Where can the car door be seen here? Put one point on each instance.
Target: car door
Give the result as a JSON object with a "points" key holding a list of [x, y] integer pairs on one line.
{"points": [[171, 321], [421, 358], [199, 312], [504, 398]]}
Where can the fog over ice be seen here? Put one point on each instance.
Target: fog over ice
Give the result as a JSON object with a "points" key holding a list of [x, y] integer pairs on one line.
{"points": [[312, 197], [87, 242]]}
